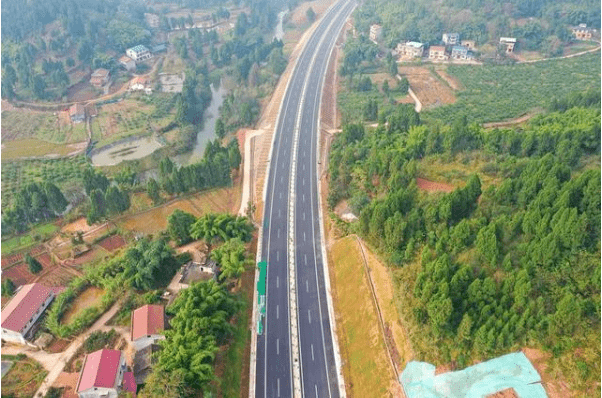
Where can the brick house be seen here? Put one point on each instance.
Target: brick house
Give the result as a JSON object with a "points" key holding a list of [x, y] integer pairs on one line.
{"points": [[509, 42], [104, 375], [100, 77], [127, 63], [376, 32], [148, 322], [437, 53], [22, 312], [470, 44], [582, 32], [410, 49], [77, 113], [451, 39]]}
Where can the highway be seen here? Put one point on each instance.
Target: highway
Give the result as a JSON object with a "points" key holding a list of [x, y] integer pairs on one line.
{"points": [[291, 236]]}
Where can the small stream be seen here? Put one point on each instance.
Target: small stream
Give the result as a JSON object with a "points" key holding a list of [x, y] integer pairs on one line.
{"points": [[279, 31]]}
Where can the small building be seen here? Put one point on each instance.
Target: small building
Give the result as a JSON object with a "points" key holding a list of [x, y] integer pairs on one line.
{"points": [[104, 375], [22, 312], [410, 49], [376, 32], [437, 53], [139, 83], [139, 53], [451, 39], [582, 32], [100, 77], [509, 43], [144, 361], [459, 53], [470, 44], [127, 63], [148, 322], [77, 113]]}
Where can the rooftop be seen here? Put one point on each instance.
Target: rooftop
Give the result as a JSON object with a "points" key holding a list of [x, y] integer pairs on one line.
{"points": [[414, 44], [24, 305], [125, 59], [100, 72], [507, 40], [139, 48], [76, 109], [147, 320], [99, 370]]}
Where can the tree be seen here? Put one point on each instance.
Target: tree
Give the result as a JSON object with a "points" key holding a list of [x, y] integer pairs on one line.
{"points": [[56, 199], [178, 226], [311, 15], [166, 385], [8, 287], [403, 86], [150, 264], [386, 87], [220, 128], [152, 188], [33, 264], [231, 258]]}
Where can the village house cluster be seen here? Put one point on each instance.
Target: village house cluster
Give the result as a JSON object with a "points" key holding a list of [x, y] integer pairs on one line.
{"points": [[451, 48]]}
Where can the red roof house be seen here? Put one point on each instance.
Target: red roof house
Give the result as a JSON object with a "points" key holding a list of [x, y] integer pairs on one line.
{"points": [[21, 313], [147, 320], [129, 383], [102, 374]]}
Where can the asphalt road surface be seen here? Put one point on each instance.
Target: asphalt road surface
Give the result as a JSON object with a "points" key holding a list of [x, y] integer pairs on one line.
{"points": [[300, 109]]}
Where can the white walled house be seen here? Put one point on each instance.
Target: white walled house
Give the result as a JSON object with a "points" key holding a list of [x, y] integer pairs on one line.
{"points": [[104, 375], [22, 312], [139, 53], [148, 323]]}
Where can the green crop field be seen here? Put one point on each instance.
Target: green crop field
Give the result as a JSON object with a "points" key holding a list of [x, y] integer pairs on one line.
{"points": [[499, 92]]}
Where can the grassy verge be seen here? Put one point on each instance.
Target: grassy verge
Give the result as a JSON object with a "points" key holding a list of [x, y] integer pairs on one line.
{"points": [[365, 363], [23, 379], [32, 147], [35, 235]]}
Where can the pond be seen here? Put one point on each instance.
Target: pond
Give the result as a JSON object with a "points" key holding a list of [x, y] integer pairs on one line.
{"points": [[128, 149], [207, 133], [91, 296]]}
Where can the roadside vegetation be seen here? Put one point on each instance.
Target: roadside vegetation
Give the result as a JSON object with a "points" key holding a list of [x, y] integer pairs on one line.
{"points": [[23, 378], [484, 270]]}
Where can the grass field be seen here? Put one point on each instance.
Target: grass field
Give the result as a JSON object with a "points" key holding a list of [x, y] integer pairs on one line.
{"points": [[45, 126], [130, 117], [220, 200], [63, 172], [33, 147], [23, 241], [90, 297], [365, 364], [499, 92], [23, 379]]}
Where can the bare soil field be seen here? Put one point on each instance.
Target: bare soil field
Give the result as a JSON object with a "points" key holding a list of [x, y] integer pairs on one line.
{"points": [[19, 274], [429, 90], [452, 81], [431, 186], [555, 387], [112, 243], [69, 382], [57, 276], [78, 225]]}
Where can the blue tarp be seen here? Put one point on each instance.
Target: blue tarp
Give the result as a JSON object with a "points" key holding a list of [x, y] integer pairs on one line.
{"points": [[508, 371]]}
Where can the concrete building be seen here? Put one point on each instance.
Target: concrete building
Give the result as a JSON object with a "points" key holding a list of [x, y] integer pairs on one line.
{"points": [[77, 113], [148, 322], [459, 53], [451, 39], [376, 32], [127, 63], [582, 32], [410, 49], [104, 375], [100, 77], [437, 53], [22, 312], [139, 53], [509, 43], [152, 20]]}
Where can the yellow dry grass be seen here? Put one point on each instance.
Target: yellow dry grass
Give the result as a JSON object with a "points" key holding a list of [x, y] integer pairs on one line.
{"points": [[385, 294], [222, 200], [366, 367]]}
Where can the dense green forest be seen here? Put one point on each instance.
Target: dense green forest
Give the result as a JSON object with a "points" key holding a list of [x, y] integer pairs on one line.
{"points": [[545, 28], [486, 269]]}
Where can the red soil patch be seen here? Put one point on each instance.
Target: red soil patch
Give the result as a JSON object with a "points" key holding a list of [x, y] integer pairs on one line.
{"points": [[10, 260], [19, 274], [555, 387], [112, 243], [45, 260], [431, 186], [69, 381], [56, 276], [58, 345], [84, 258]]}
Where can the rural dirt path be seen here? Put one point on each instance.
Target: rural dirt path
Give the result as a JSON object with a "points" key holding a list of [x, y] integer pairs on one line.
{"points": [[55, 363], [563, 57]]}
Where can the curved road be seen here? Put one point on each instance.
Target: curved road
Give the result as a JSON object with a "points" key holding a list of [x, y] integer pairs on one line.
{"points": [[291, 240]]}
